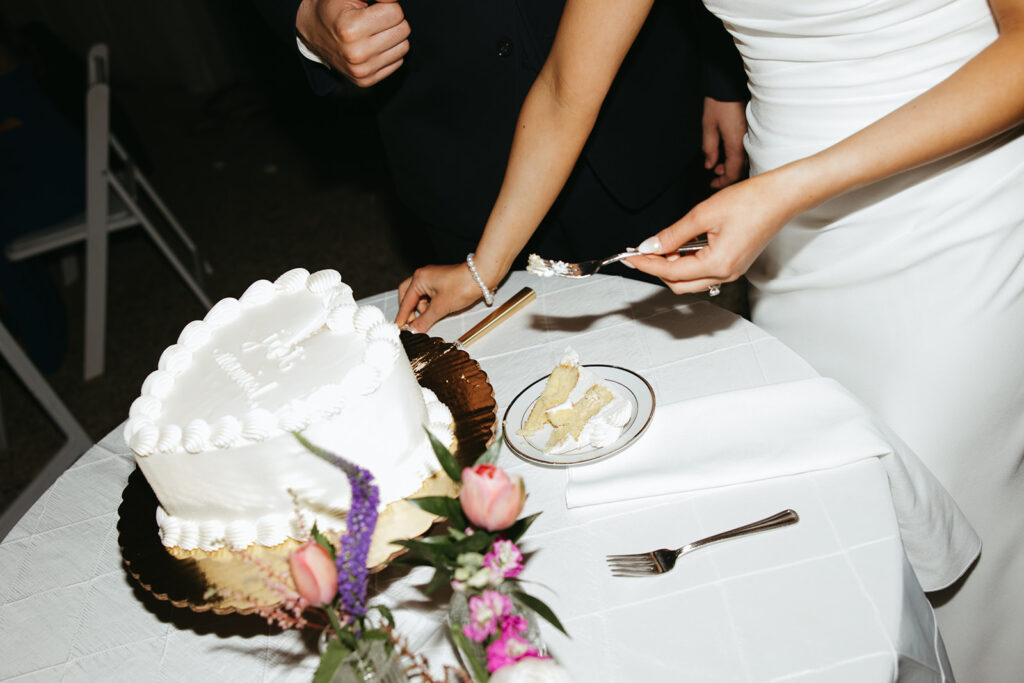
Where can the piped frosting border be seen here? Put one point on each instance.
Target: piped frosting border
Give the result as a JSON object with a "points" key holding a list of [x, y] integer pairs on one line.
{"points": [[145, 436]]}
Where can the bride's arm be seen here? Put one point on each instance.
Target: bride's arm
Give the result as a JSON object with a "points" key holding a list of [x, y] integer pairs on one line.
{"points": [[981, 99], [555, 120]]}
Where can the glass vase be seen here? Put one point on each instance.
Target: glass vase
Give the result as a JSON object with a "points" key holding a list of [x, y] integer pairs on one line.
{"points": [[371, 662]]}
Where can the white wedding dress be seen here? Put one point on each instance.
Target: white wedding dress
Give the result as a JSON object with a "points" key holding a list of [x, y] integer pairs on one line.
{"points": [[909, 291]]}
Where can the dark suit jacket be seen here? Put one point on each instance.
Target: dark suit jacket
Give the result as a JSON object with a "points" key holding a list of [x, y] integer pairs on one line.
{"points": [[447, 116]]}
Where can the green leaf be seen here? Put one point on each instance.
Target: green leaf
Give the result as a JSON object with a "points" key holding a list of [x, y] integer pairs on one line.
{"points": [[349, 639], [478, 668], [332, 615], [442, 506], [540, 608], [324, 541], [385, 612], [490, 456], [477, 542], [519, 527], [410, 561], [330, 661], [439, 541], [437, 555], [442, 577], [448, 462]]}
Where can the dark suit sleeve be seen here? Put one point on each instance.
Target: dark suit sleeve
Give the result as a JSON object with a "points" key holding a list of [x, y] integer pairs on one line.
{"points": [[280, 15], [723, 74]]}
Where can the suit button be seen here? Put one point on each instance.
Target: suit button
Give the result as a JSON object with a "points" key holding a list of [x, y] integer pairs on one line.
{"points": [[504, 47]]}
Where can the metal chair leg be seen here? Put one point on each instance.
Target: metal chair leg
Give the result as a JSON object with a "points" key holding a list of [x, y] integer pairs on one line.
{"points": [[78, 441]]}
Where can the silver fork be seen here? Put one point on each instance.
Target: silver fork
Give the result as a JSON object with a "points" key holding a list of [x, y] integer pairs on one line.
{"points": [[661, 561], [548, 267]]}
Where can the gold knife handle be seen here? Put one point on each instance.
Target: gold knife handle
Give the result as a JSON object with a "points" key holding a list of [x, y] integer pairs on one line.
{"points": [[500, 315]]}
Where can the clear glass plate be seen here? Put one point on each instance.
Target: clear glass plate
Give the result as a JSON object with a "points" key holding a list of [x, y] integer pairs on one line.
{"points": [[627, 383]]}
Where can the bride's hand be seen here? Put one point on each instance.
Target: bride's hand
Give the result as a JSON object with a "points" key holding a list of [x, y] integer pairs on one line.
{"points": [[739, 221], [433, 292]]}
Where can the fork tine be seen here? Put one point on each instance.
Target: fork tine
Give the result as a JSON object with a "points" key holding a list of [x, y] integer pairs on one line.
{"points": [[640, 559], [634, 572], [630, 561], [646, 567], [628, 556]]}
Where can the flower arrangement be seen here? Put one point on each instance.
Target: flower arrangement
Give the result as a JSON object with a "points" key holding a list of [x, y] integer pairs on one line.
{"points": [[478, 558], [335, 581]]}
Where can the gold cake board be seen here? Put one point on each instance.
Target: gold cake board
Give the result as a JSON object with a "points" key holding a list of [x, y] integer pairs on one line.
{"points": [[226, 582]]}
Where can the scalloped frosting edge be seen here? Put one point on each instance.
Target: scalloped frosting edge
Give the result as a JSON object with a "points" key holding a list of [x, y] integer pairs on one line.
{"points": [[383, 348]]}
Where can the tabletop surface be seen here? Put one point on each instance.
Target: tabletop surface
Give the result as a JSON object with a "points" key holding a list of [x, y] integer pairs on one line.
{"points": [[834, 599]]}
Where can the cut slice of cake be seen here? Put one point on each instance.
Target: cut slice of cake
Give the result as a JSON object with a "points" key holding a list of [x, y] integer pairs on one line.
{"points": [[560, 382], [576, 411], [582, 412]]}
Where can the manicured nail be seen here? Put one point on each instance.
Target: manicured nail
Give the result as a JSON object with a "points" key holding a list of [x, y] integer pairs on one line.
{"points": [[672, 257], [651, 245], [626, 263]]}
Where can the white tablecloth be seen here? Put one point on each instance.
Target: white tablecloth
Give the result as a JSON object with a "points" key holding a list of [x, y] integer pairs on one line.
{"points": [[830, 599]]}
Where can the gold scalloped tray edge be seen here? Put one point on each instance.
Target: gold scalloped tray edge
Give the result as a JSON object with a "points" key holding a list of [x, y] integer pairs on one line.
{"points": [[184, 578]]}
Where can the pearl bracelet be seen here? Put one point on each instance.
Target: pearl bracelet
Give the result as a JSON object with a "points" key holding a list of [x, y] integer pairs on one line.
{"points": [[488, 294]]}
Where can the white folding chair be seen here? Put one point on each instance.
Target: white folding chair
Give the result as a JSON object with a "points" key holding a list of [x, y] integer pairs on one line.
{"points": [[77, 439], [112, 203]]}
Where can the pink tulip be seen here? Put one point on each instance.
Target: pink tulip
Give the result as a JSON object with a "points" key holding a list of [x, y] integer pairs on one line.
{"points": [[491, 498], [314, 573]]}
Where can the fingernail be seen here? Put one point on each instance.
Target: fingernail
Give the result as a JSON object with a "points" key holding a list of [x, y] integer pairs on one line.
{"points": [[626, 263], [651, 245], [672, 257]]}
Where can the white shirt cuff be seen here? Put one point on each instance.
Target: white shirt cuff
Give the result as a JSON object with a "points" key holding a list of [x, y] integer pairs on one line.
{"points": [[306, 52]]}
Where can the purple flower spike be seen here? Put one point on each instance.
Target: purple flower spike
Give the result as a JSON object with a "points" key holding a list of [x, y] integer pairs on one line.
{"points": [[360, 522]]}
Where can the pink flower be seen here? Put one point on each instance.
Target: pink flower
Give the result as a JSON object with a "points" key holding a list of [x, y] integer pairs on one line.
{"points": [[485, 612], [508, 649], [514, 623], [504, 560], [314, 573], [491, 498]]}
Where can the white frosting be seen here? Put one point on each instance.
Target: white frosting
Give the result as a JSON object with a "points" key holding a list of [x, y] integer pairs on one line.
{"points": [[195, 335], [258, 293], [211, 428]]}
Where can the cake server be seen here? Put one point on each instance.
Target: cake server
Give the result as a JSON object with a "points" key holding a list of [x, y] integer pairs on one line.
{"points": [[498, 316]]}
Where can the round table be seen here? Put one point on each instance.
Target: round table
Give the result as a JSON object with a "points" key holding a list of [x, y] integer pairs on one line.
{"points": [[836, 601]]}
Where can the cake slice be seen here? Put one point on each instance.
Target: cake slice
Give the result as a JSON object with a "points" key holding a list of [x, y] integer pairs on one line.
{"points": [[560, 383], [575, 402], [582, 411]]}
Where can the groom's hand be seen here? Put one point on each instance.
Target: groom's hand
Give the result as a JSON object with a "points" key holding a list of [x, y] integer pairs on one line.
{"points": [[724, 124], [365, 43]]}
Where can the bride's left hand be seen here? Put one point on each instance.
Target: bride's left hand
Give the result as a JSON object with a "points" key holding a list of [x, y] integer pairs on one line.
{"points": [[739, 221]]}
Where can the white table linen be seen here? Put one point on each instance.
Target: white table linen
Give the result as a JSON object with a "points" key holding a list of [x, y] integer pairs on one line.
{"points": [[831, 598], [780, 430], [733, 438]]}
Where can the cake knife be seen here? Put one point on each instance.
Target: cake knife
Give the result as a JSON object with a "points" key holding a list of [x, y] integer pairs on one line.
{"points": [[498, 316]]}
